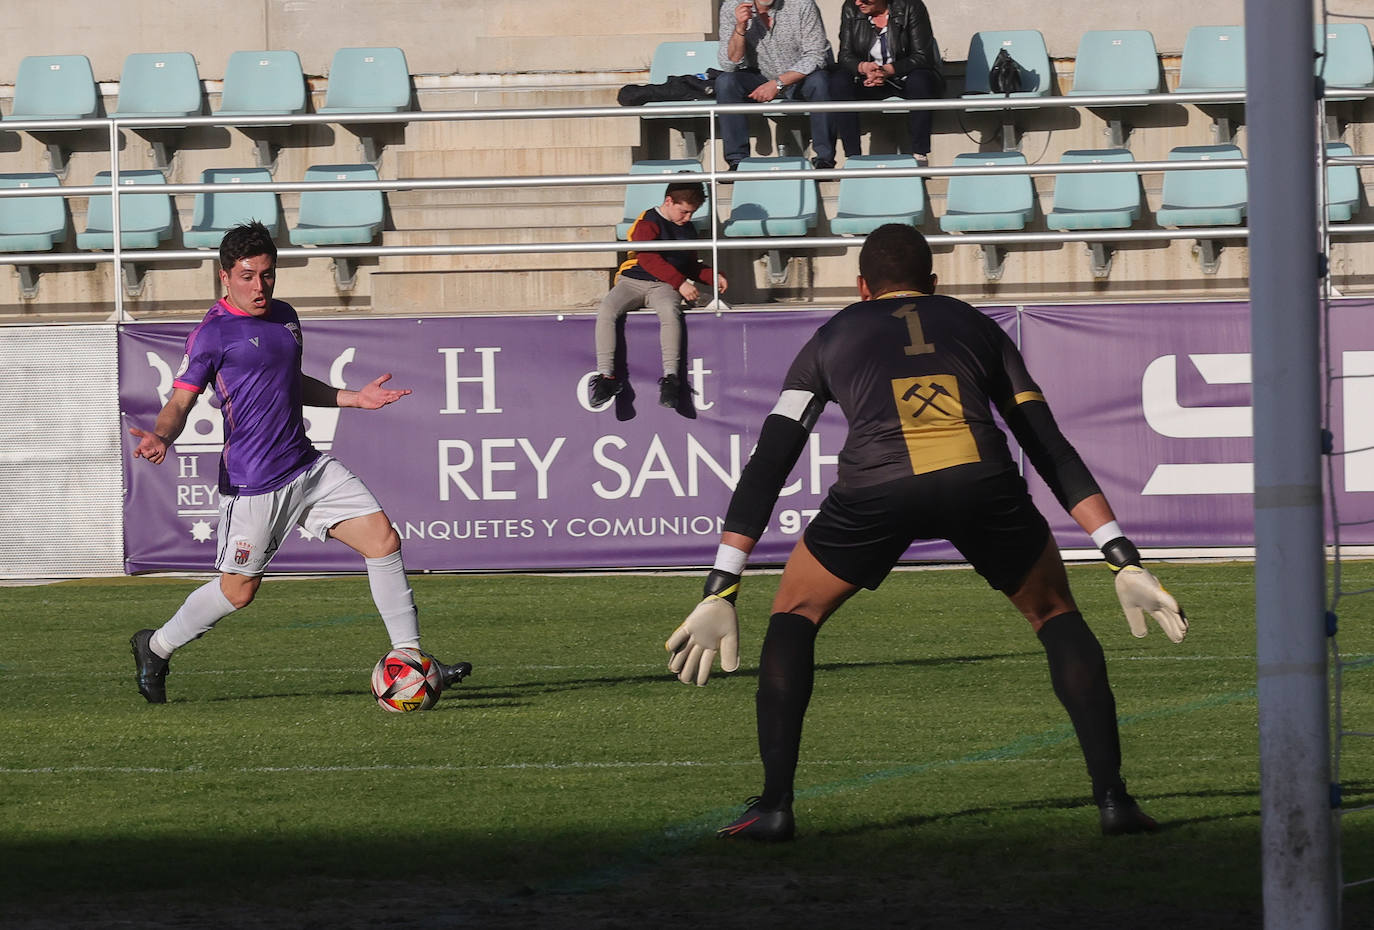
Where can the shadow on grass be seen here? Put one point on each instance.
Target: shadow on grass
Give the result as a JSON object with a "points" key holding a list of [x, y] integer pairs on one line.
{"points": [[471, 694]]}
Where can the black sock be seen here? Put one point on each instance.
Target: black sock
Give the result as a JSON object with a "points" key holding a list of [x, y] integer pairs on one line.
{"points": [[786, 673], [1078, 672]]}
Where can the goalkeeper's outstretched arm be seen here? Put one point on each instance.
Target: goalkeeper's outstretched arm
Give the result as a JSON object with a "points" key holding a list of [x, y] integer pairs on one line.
{"points": [[712, 628]]}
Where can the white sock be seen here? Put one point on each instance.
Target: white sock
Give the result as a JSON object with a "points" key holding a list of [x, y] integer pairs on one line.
{"points": [[205, 607], [394, 599]]}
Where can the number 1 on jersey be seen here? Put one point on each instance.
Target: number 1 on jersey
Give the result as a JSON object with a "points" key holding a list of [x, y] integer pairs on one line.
{"points": [[916, 339]]}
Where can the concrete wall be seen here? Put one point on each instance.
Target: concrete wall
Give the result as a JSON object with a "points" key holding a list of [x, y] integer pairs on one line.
{"points": [[472, 37]]}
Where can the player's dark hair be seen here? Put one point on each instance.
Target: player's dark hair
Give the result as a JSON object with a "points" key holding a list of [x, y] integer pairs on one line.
{"points": [[245, 241], [896, 256], [688, 192]]}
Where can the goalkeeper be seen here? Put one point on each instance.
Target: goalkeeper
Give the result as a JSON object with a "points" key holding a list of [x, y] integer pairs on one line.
{"points": [[917, 377]]}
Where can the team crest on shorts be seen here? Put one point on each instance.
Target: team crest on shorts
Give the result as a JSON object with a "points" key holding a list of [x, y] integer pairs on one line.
{"points": [[242, 550]]}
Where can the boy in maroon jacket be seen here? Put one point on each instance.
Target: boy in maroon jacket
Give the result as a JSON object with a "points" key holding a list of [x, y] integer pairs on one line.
{"points": [[665, 282]]}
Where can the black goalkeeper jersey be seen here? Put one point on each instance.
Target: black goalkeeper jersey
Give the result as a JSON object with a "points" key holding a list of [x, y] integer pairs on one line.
{"points": [[917, 378]]}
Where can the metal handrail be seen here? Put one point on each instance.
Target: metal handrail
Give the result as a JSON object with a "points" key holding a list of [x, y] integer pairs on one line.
{"points": [[709, 175]]}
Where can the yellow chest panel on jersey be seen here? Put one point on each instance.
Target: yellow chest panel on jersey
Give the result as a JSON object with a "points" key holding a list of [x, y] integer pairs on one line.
{"points": [[933, 425]]}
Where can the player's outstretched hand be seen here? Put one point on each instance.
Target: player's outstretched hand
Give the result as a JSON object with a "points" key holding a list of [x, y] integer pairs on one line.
{"points": [[1140, 593], [151, 446], [710, 629], [374, 395]]}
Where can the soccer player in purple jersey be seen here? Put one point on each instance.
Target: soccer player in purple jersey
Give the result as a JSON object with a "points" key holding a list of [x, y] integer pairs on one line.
{"points": [[270, 476], [918, 377]]}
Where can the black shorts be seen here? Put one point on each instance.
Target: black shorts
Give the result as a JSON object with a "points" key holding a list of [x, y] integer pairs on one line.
{"points": [[985, 511]]}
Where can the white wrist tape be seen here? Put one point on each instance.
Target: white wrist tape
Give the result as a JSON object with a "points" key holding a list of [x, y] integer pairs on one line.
{"points": [[730, 559], [1106, 533]]}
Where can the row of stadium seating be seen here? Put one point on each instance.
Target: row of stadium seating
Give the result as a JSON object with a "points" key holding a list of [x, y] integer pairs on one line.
{"points": [[325, 217], [167, 85], [1108, 61], [991, 203], [377, 79], [758, 207]]}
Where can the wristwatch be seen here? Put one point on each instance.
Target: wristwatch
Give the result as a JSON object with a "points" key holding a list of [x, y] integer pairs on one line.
{"points": [[781, 86]]}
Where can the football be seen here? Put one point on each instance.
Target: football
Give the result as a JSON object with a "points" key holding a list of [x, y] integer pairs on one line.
{"points": [[407, 679]]}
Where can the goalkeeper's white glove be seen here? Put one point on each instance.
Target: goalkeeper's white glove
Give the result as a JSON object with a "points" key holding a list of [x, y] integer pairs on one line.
{"points": [[711, 628], [1140, 593]]}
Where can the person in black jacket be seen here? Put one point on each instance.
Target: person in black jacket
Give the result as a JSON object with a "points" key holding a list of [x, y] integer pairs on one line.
{"points": [[887, 49]]}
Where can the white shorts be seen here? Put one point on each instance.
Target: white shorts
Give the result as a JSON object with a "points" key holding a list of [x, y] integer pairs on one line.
{"points": [[253, 527]]}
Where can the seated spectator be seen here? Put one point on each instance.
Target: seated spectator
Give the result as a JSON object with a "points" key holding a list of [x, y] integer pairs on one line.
{"points": [[886, 49], [773, 50], [662, 281]]}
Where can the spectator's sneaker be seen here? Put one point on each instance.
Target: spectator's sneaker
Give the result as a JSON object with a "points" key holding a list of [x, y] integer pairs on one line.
{"points": [[822, 164], [1120, 814], [453, 674], [601, 388], [776, 825], [669, 391], [151, 668]]}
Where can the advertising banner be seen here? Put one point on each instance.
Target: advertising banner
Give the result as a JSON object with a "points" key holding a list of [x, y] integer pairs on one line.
{"points": [[496, 461]]}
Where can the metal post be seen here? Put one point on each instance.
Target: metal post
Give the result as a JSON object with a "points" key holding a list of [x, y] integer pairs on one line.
{"points": [[118, 263], [1297, 836]]}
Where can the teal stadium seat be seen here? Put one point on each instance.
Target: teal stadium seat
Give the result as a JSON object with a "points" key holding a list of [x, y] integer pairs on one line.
{"points": [[865, 203], [342, 217], [1204, 197], [772, 207], [1027, 46], [53, 87], [1346, 58], [1109, 200], [988, 202], [1116, 61], [673, 58], [1342, 186], [368, 80], [640, 197], [159, 84], [1213, 60], [31, 224], [144, 221], [263, 83], [217, 211]]}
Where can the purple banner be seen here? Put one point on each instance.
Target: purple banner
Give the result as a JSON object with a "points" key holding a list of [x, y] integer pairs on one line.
{"points": [[496, 463]]}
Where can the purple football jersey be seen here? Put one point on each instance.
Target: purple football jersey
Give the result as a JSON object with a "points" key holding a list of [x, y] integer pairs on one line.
{"points": [[255, 364]]}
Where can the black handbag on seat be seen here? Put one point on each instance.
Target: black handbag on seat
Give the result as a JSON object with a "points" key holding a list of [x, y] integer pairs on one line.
{"points": [[1005, 75]]}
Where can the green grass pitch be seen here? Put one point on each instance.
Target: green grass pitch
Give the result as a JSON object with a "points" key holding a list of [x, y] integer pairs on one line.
{"points": [[571, 782]]}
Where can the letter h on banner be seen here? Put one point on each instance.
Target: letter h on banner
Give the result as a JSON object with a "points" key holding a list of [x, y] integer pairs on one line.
{"points": [[487, 379]]}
